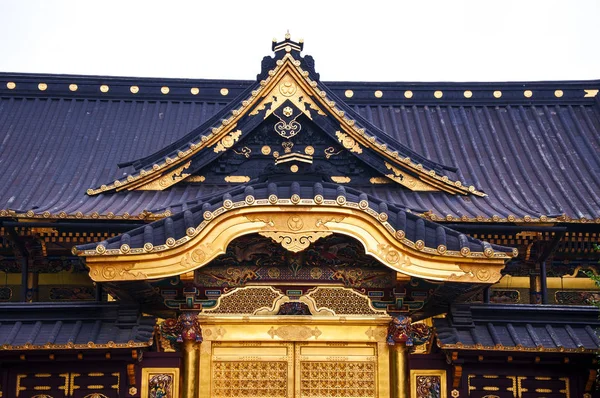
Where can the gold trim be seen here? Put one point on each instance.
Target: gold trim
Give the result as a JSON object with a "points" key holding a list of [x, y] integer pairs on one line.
{"points": [[479, 347], [590, 93], [195, 179], [237, 179], [340, 179], [210, 239], [71, 346]]}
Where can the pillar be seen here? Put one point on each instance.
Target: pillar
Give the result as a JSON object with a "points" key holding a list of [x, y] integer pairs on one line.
{"points": [[191, 369], [400, 373], [191, 338], [535, 287], [400, 336]]}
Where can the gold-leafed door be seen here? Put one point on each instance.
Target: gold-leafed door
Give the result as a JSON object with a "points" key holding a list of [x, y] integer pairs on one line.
{"points": [[252, 370], [336, 370], [286, 370]]}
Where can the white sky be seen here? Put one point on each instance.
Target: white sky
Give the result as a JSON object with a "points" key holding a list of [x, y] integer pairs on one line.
{"points": [[469, 40]]}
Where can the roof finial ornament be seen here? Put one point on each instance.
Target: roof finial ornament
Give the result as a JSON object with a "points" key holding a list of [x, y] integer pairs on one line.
{"points": [[288, 45]]}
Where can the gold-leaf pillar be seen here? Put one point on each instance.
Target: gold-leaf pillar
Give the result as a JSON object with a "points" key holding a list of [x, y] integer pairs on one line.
{"points": [[399, 334], [191, 339], [399, 372]]}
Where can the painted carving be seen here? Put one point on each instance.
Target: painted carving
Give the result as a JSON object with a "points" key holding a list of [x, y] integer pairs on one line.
{"points": [[402, 330], [185, 328], [428, 386], [161, 386]]}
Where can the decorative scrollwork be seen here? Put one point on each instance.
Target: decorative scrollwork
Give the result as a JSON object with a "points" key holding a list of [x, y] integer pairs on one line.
{"points": [[294, 332], [348, 142], [296, 231], [289, 129], [227, 141], [296, 242]]}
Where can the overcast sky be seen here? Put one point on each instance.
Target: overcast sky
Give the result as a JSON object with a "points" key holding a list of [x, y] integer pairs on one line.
{"points": [[447, 40]]}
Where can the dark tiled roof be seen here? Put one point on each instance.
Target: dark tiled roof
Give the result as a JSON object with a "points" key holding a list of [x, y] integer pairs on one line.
{"points": [[534, 157], [73, 326], [192, 215], [519, 327]]}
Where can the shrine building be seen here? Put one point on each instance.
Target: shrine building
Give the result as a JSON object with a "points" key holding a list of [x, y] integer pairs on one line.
{"points": [[290, 237]]}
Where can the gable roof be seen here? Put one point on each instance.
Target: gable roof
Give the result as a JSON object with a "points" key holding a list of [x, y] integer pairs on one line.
{"points": [[286, 80], [531, 147]]}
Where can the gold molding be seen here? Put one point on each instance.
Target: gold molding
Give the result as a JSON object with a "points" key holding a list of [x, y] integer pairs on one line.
{"points": [[210, 239]]}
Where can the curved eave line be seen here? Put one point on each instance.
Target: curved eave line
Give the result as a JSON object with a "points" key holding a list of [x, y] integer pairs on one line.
{"points": [[270, 206]]}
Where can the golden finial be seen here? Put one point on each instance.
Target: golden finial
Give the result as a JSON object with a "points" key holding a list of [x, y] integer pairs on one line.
{"points": [[287, 35]]}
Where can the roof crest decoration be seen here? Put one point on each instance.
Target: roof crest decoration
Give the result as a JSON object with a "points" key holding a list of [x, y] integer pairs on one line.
{"points": [[289, 80]]}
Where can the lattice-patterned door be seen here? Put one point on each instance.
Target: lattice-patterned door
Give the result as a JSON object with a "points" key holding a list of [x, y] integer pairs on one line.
{"points": [[286, 370], [335, 370], [252, 370]]}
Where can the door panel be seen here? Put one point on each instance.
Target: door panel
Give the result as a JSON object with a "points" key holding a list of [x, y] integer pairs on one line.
{"points": [[252, 370], [287, 370], [336, 370]]}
